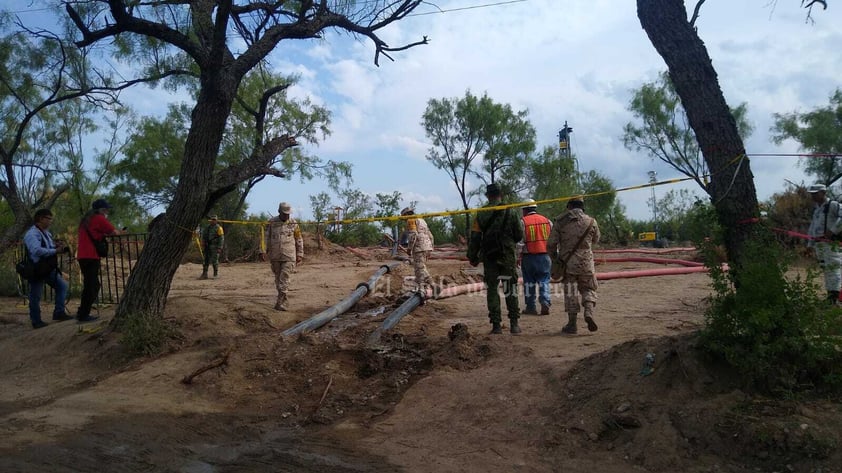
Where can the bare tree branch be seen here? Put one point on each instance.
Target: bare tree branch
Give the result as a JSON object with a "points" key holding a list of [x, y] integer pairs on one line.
{"points": [[696, 12]]}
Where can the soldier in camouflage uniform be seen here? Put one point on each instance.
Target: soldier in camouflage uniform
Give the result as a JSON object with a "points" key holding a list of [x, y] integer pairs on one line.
{"points": [[286, 249], [420, 244], [213, 238], [570, 246], [494, 237]]}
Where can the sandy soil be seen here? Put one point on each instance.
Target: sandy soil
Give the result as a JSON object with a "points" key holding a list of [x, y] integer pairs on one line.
{"points": [[436, 394]]}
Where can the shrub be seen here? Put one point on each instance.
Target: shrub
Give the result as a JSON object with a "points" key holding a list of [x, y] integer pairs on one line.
{"points": [[144, 334], [780, 334]]}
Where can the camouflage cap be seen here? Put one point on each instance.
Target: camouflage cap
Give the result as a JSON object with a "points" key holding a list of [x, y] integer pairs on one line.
{"points": [[285, 208], [213, 217], [406, 210]]}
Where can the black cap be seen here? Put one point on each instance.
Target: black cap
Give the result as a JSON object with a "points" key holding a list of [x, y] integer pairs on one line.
{"points": [[492, 189], [100, 204]]}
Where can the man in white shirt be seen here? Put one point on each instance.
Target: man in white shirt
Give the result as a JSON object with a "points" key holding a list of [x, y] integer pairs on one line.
{"points": [[824, 239]]}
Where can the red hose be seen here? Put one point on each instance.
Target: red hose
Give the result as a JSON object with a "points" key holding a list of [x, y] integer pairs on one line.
{"points": [[645, 259]]}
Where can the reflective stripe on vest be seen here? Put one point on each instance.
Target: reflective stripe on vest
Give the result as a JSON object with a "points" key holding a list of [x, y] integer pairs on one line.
{"points": [[536, 232]]}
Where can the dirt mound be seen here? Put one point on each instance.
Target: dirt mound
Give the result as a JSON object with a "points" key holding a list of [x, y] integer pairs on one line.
{"points": [[437, 393], [687, 409], [333, 375]]}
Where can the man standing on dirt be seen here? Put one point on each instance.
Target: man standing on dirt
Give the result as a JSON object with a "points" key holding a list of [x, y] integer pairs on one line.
{"points": [[213, 239], [286, 249], [571, 249], [494, 237], [824, 232], [41, 248], [535, 263], [419, 245]]}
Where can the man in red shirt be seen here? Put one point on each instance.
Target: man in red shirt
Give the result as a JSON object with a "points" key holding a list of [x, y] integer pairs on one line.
{"points": [[93, 227]]}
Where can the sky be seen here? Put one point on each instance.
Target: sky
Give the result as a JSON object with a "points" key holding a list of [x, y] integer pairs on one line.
{"points": [[574, 61]]}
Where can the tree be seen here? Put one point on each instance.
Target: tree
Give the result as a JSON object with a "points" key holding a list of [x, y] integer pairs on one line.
{"points": [[511, 140], [548, 176], [665, 132], [471, 127], [155, 150], [219, 43], [732, 187], [35, 82], [388, 205], [357, 205], [673, 208], [604, 206], [818, 131]]}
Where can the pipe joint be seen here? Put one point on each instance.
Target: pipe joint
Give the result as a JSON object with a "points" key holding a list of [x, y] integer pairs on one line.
{"points": [[365, 285], [387, 268]]}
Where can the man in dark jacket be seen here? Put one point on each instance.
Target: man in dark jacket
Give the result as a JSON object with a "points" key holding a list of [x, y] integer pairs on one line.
{"points": [[494, 237]]}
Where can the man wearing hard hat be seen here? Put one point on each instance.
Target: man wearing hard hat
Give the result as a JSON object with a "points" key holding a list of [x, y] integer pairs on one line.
{"points": [[535, 262], [825, 235]]}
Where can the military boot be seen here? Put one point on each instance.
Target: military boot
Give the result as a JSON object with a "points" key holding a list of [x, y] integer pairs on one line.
{"points": [[496, 328], [589, 317], [514, 328], [204, 274], [215, 273], [281, 303], [570, 328]]}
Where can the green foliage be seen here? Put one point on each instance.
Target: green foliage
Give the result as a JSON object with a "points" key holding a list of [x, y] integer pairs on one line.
{"points": [[776, 332], [149, 172], [701, 224], [8, 276], [817, 131], [549, 176], [664, 131], [790, 209], [144, 334], [465, 130], [441, 229], [389, 205], [357, 234]]}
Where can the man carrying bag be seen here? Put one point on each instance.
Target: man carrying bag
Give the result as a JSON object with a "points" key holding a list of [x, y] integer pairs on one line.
{"points": [[43, 251]]}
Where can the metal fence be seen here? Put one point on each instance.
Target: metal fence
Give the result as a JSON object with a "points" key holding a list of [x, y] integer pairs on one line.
{"points": [[123, 251]]}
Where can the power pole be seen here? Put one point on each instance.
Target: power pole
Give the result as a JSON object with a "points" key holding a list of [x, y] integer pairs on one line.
{"points": [[652, 180]]}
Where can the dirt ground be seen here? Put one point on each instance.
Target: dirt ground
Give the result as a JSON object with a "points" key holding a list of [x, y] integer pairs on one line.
{"points": [[436, 394]]}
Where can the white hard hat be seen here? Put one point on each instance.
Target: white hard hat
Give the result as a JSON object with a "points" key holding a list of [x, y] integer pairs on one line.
{"points": [[530, 204], [817, 188]]}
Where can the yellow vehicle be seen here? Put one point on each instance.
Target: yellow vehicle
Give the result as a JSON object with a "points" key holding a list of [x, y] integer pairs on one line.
{"points": [[646, 236]]}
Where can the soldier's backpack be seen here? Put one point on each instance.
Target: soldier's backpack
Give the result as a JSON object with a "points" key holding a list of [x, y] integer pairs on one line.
{"points": [[826, 210], [492, 235]]}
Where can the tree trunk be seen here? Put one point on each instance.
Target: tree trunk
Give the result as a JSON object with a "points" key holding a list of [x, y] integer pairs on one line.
{"points": [[11, 235], [149, 283], [691, 71]]}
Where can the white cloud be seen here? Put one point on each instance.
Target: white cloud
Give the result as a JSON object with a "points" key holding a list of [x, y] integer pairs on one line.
{"points": [[574, 61]]}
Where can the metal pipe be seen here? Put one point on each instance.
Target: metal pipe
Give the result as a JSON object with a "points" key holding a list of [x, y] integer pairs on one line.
{"points": [[342, 306], [418, 298], [415, 300]]}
